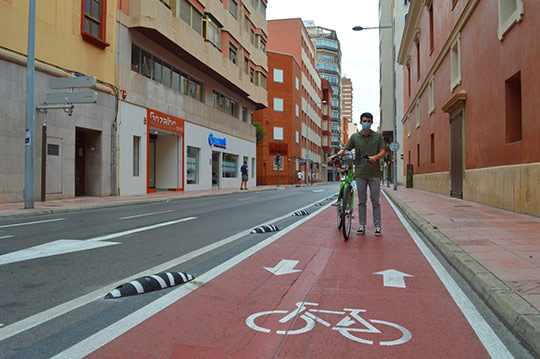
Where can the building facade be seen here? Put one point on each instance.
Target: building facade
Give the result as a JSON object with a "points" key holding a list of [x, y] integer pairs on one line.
{"points": [[78, 152], [192, 76], [471, 110], [328, 61], [347, 98], [289, 36]]}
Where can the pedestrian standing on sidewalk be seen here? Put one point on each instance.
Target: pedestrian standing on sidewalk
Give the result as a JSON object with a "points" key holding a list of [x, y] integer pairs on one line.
{"points": [[244, 170], [367, 172], [300, 177]]}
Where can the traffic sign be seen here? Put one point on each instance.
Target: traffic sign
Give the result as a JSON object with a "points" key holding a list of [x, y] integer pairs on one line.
{"points": [[394, 147], [71, 97], [72, 82]]}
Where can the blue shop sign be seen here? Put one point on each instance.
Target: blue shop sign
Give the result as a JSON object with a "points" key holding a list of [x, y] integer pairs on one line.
{"points": [[217, 142]]}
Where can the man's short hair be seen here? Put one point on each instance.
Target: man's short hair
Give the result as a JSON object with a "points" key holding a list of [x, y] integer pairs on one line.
{"points": [[366, 115]]}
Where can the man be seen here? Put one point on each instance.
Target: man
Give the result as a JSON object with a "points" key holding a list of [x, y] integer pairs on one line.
{"points": [[367, 172], [300, 176], [244, 170]]}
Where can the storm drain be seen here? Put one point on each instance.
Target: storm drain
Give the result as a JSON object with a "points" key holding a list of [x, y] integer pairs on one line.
{"points": [[150, 283], [301, 212], [267, 228]]}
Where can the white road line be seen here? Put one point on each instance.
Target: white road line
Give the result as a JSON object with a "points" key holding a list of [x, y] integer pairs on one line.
{"points": [[45, 316], [487, 336], [7, 236], [113, 331], [245, 199], [29, 223], [147, 214]]}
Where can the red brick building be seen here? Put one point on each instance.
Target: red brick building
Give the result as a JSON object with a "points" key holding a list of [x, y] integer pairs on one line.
{"points": [[293, 118], [471, 100]]}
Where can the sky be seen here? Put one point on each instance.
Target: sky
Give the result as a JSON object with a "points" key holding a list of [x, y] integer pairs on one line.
{"points": [[359, 49]]}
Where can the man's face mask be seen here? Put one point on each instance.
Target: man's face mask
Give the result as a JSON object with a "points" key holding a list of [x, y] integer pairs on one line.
{"points": [[366, 126]]}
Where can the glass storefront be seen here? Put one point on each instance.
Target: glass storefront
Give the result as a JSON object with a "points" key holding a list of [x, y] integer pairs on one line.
{"points": [[192, 165]]}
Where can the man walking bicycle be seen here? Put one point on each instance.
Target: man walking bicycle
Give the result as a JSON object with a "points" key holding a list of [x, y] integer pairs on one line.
{"points": [[367, 172]]}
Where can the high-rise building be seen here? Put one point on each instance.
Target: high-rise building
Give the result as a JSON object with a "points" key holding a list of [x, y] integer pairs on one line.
{"points": [[194, 73], [328, 60], [347, 98], [289, 36]]}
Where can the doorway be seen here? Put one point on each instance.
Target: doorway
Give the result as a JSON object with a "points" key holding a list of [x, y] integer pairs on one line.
{"points": [[215, 169], [456, 155], [152, 161], [80, 145]]}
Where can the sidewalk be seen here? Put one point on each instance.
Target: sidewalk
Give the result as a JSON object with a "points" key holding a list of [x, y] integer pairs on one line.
{"points": [[83, 203], [496, 251]]}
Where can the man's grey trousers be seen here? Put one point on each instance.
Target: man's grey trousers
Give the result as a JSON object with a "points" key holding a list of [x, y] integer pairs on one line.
{"points": [[374, 184]]}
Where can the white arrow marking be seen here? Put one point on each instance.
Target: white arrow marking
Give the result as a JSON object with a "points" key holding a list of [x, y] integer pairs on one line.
{"points": [[318, 190], [393, 278], [71, 245], [35, 222], [284, 267]]}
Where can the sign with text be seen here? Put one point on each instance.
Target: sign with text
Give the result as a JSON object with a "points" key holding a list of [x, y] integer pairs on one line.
{"points": [[165, 122], [278, 149], [216, 141]]}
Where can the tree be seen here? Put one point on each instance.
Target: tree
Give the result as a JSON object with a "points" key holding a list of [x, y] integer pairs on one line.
{"points": [[260, 132]]}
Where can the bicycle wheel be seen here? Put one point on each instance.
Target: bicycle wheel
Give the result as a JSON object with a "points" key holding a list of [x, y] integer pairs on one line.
{"points": [[346, 213], [338, 210]]}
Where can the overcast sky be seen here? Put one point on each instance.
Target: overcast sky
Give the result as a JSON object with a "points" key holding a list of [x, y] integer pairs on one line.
{"points": [[360, 50]]}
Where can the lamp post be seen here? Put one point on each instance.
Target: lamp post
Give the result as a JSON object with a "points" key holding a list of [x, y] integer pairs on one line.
{"points": [[394, 129], [324, 102]]}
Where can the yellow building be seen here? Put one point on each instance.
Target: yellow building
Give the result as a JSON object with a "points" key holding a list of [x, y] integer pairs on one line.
{"points": [[72, 38]]}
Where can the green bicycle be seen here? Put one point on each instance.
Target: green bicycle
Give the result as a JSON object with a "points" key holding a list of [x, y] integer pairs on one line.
{"points": [[345, 202]]}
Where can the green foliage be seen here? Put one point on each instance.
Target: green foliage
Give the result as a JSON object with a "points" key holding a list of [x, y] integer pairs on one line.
{"points": [[260, 131]]}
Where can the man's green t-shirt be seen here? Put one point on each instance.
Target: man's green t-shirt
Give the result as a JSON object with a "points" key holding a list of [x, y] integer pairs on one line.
{"points": [[366, 145]]}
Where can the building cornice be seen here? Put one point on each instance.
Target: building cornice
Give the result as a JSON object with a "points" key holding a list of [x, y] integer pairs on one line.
{"points": [[410, 30]]}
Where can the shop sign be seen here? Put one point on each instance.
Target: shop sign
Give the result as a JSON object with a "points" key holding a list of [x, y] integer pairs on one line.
{"points": [[278, 148], [217, 142], [164, 121]]}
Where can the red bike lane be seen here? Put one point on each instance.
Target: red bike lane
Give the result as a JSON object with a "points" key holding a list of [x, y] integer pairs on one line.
{"points": [[330, 299]]}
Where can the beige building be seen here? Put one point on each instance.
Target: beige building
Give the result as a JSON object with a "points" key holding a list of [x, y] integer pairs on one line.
{"points": [[192, 76], [70, 40], [347, 99]]}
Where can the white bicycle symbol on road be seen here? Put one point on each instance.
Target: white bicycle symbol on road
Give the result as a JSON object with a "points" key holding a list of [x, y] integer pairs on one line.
{"points": [[351, 317]]}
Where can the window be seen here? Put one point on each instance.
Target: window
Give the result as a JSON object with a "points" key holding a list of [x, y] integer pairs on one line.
{"points": [[212, 32], [432, 148], [156, 74], [232, 53], [192, 165], [246, 23], [510, 12], [431, 35], [261, 43], [297, 137], [251, 75], [418, 155], [513, 108], [252, 168], [166, 74], [233, 8], [297, 111], [278, 133], [246, 64], [278, 105], [93, 21], [252, 37], [195, 89], [261, 79], [431, 95], [135, 58], [175, 81], [455, 64], [191, 16], [417, 59], [297, 84], [225, 104], [146, 64], [409, 127], [229, 166], [278, 75], [136, 155], [417, 114], [409, 78], [263, 9], [245, 114]]}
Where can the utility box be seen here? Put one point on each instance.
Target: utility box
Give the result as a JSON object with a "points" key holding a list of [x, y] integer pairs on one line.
{"points": [[409, 177]]}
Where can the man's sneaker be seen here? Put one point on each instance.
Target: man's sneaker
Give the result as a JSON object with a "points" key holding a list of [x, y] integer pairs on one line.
{"points": [[378, 231], [335, 204], [361, 230]]}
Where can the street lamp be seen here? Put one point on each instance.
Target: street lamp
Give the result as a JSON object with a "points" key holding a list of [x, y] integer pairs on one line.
{"points": [[324, 102], [394, 130]]}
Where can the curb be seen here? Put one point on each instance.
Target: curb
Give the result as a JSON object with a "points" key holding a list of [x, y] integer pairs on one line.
{"points": [[517, 314]]}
